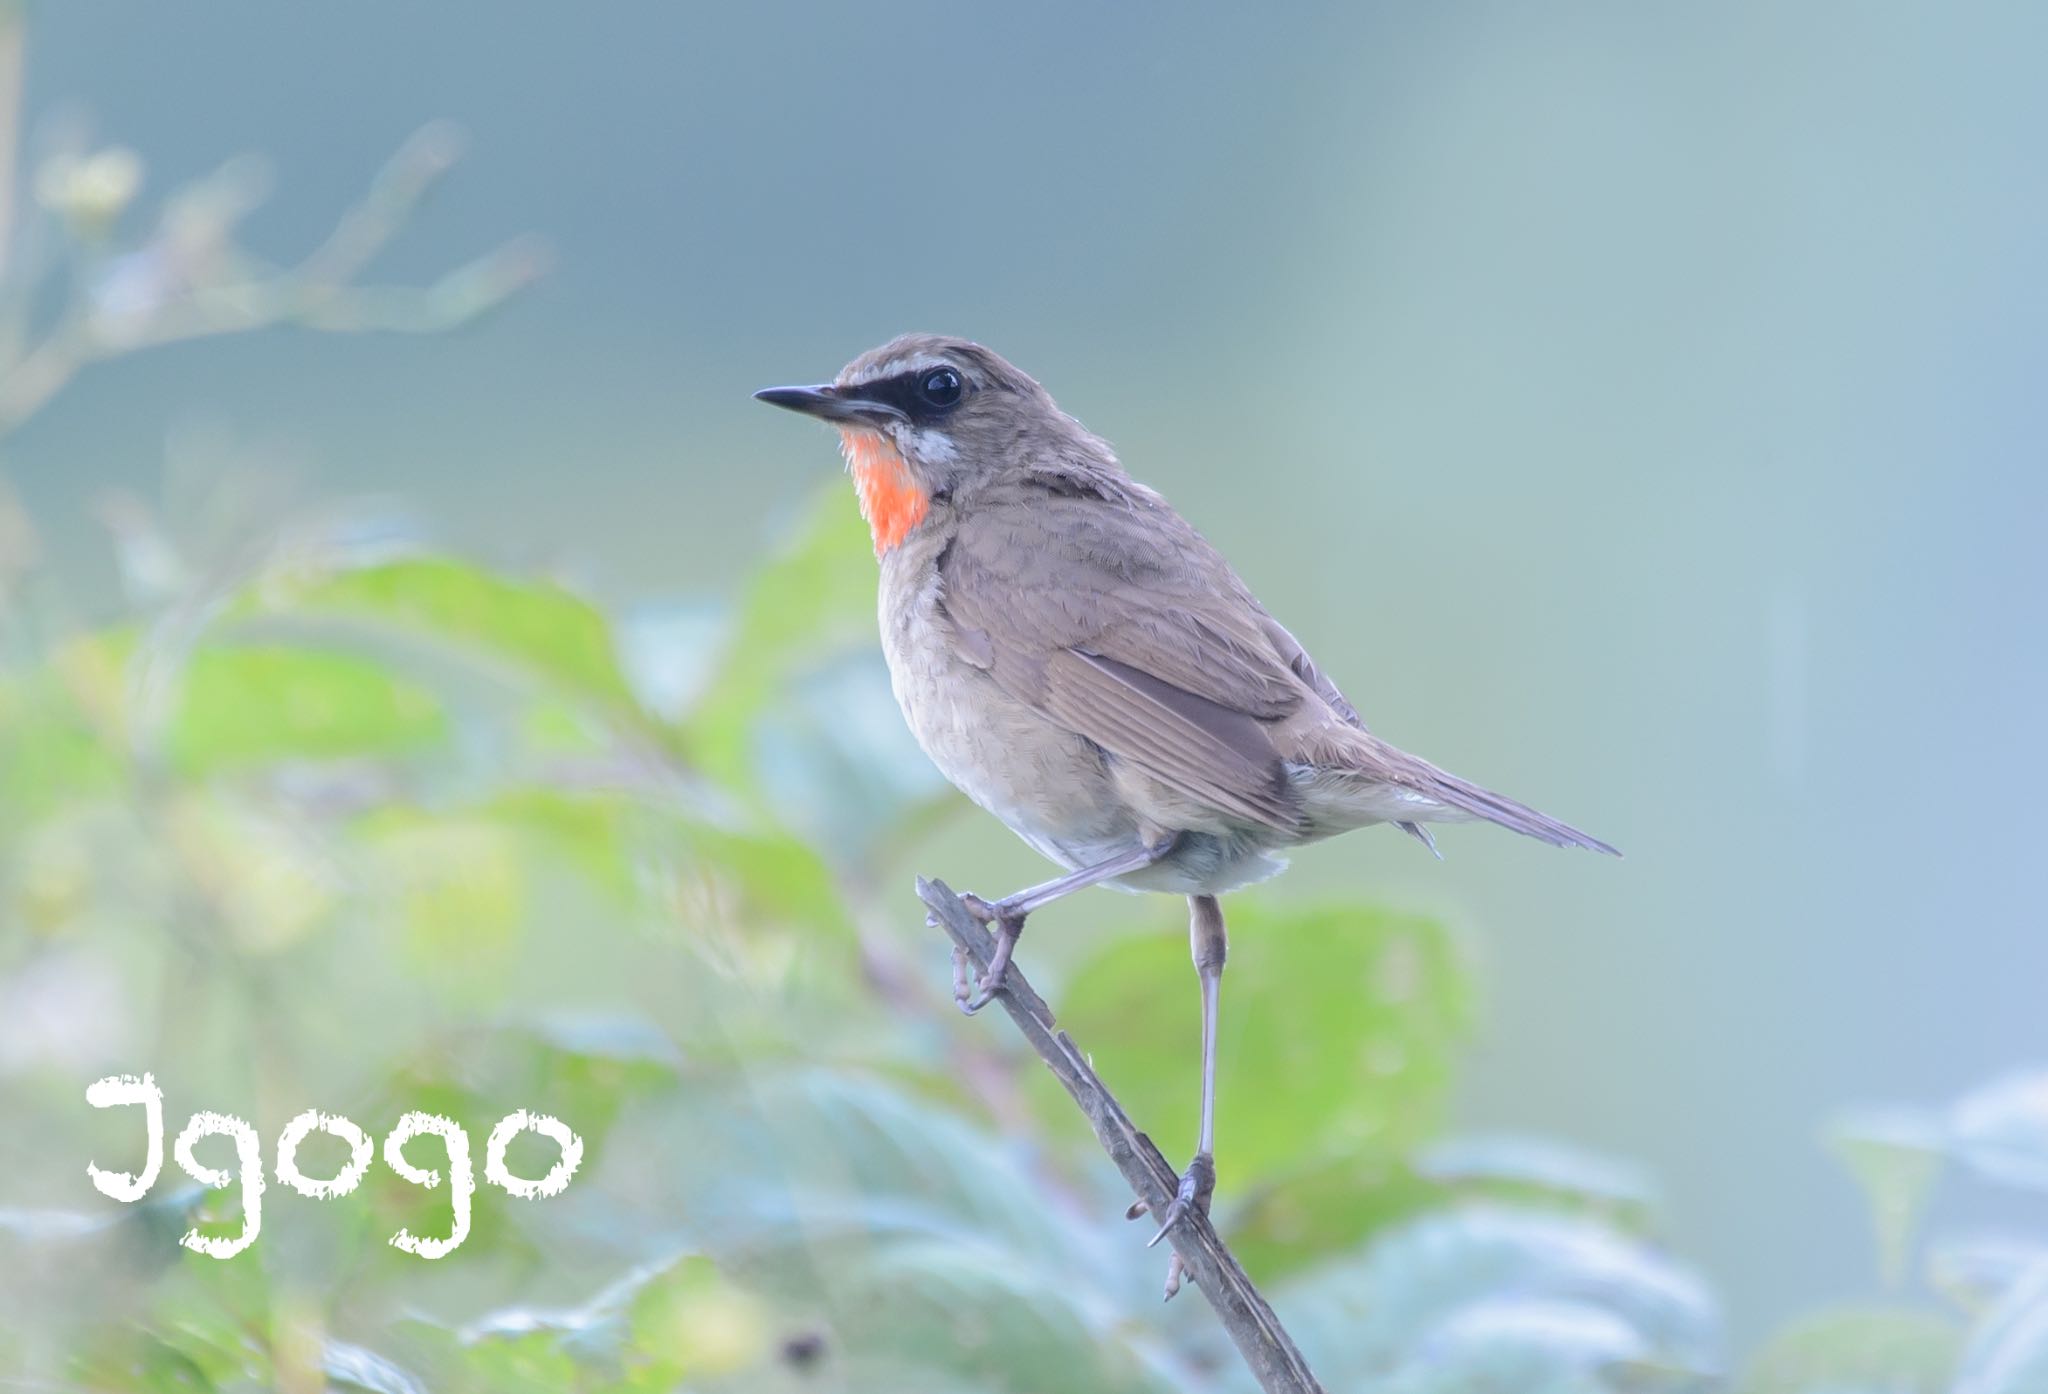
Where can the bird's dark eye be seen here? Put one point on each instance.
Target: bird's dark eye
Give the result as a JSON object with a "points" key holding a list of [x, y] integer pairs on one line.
{"points": [[940, 387]]}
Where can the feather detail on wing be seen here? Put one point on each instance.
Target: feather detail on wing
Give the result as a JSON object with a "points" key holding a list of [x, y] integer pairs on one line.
{"points": [[1201, 749], [1134, 634]]}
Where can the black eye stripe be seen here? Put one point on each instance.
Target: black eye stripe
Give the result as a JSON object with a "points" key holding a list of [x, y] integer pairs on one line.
{"points": [[905, 392]]}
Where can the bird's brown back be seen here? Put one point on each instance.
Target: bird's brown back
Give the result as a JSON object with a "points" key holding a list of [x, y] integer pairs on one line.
{"points": [[1099, 605]]}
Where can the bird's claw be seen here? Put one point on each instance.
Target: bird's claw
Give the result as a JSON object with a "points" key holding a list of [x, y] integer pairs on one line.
{"points": [[969, 996], [1176, 1273], [1197, 1187]]}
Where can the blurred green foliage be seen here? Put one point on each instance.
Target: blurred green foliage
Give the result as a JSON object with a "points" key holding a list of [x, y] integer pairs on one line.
{"points": [[416, 795]]}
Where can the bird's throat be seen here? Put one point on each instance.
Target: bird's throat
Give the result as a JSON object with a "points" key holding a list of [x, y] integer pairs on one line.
{"points": [[889, 498]]}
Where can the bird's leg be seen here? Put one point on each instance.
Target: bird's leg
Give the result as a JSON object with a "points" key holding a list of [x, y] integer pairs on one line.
{"points": [[1210, 944], [1006, 916]]}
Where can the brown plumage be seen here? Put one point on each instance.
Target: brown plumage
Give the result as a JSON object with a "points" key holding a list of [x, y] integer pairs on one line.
{"points": [[1084, 665]]}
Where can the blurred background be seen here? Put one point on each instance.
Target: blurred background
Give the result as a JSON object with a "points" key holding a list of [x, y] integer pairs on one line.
{"points": [[430, 680]]}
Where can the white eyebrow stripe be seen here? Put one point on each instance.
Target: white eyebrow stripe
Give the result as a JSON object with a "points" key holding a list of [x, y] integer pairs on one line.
{"points": [[896, 367]]}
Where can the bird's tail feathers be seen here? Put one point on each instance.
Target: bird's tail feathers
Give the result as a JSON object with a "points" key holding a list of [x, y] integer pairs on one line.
{"points": [[1467, 797]]}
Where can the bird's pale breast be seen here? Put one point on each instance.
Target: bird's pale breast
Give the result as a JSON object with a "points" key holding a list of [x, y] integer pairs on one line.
{"points": [[1048, 784]]}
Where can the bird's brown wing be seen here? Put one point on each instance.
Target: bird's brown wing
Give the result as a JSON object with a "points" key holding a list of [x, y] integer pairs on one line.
{"points": [[1099, 606], [1117, 620]]}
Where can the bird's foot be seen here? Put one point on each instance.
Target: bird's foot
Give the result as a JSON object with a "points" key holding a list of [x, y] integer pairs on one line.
{"points": [[1197, 1187], [969, 995]]}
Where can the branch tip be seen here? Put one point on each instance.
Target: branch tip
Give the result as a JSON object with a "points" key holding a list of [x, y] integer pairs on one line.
{"points": [[1267, 1349]]}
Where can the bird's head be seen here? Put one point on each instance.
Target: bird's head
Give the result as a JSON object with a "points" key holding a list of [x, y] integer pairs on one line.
{"points": [[924, 418]]}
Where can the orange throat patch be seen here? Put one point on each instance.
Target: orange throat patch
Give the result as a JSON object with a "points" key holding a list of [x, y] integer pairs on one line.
{"points": [[889, 499]]}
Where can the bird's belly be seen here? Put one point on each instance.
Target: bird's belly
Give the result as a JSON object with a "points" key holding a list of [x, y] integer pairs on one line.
{"points": [[1054, 790], [1049, 785]]}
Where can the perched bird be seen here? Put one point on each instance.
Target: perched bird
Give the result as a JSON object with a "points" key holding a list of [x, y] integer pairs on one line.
{"points": [[1081, 663]]}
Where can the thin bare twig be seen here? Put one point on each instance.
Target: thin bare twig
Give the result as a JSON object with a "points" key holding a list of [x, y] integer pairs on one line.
{"points": [[1260, 1339], [238, 294]]}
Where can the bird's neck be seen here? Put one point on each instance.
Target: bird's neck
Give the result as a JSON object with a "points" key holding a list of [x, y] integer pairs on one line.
{"points": [[890, 499]]}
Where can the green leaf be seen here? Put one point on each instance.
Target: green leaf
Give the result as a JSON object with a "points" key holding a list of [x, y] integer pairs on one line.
{"points": [[246, 704], [1329, 1206], [539, 624], [459, 885], [1869, 1350], [1334, 1204], [357, 1367], [815, 599], [2000, 1131], [948, 1307], [270, 883], [2008, 1353], [909, 1238], [1554, 1297], [219, 1316], [1535, 1170], [1339, 1026], [809, 1158], [599, 1063], [52, 873], [674, 1317], [628, 1041], [594, 834], [142, 1361], [1975, 1273], [1895, 1156], [50, 749], [531, 1364], [1531, 1346], [783, 878], [692, 1320], [837, 762], [135, 1241]]}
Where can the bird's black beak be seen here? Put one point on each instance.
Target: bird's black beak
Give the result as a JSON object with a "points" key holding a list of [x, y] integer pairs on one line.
{"points": [[828, 403]]}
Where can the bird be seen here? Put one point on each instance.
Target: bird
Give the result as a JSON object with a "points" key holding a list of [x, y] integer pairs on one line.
{"points": [[1083, 664]]}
